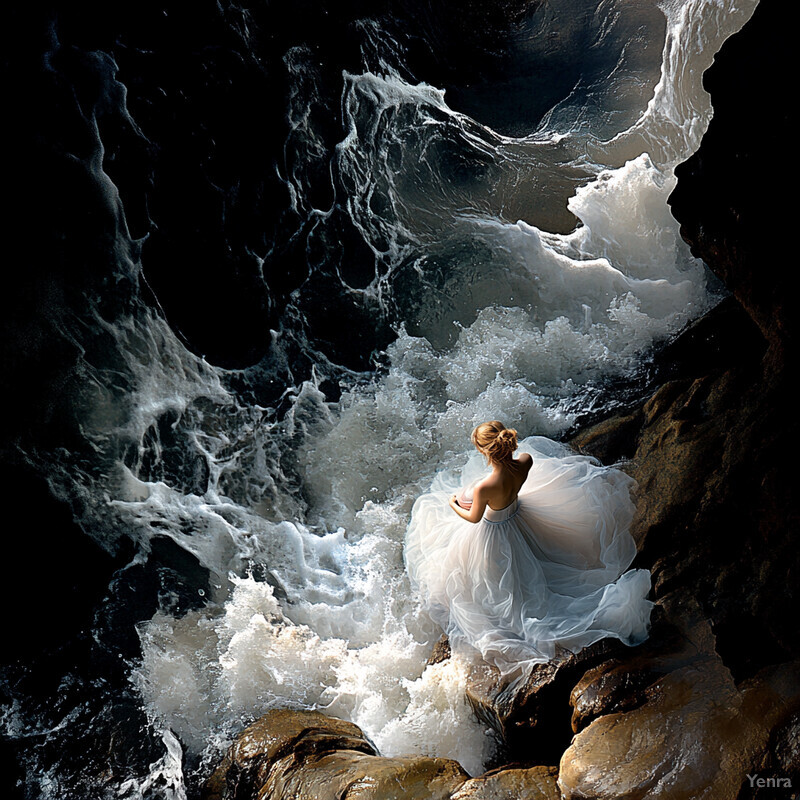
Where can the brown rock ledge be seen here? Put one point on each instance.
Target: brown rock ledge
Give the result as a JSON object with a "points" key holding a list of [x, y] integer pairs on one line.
{"points": [[305, 755], [698, 735], [534, 783]]}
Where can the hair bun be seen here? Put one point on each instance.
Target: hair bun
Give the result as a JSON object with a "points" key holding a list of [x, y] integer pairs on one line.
{"points": [[495, 441]]}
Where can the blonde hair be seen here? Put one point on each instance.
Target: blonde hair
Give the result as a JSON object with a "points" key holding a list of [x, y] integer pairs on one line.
{"points": [[495, 441]]}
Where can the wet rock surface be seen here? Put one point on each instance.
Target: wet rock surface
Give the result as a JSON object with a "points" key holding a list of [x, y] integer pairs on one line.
{"points": [[532, 718], [621, 683], [698, 735], [694, 732], [247, 763], [305, 755], [779, 764], [534, 783], [441, 651]]}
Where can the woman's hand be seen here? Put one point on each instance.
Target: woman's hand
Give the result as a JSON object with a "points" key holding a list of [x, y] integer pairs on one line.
{"points": [[475, 512]]}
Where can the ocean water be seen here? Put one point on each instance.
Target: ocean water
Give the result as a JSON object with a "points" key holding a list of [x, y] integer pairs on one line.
{"points": [[525, 269]]}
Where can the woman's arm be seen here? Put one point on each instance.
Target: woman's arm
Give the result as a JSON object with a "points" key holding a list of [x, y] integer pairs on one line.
{"points": [[475, 513]]}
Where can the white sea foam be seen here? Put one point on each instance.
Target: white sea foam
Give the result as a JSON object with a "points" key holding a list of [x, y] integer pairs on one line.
{"points": [[165, 776], [203, 674]]}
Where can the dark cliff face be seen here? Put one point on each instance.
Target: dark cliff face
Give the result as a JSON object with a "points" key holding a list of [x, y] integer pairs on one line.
{"points": [[732, 203], [733, 197]]}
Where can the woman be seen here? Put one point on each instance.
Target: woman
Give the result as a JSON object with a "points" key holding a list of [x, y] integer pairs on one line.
{"points": [[533, 556]]}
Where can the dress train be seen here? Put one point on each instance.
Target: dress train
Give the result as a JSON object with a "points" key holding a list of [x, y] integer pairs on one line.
{"points": [[548, 570]]}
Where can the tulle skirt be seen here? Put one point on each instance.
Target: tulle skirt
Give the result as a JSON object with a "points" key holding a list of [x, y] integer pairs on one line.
{"points": [[548, 570]]}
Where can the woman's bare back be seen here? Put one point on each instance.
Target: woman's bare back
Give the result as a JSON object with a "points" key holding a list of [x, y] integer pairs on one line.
{"points": [[502, 486]]}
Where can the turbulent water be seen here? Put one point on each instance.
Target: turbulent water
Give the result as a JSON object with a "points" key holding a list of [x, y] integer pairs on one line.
{"points": [[525, 274]]}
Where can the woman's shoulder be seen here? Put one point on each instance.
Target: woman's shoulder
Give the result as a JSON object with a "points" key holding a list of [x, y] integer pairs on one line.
{"points": [[487, 481]]}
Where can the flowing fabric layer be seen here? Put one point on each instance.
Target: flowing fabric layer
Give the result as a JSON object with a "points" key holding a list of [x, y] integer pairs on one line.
{"points": [[547, 570]]}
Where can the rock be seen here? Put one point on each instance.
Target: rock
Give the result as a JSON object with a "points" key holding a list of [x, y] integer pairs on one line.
{"points": [[786, 748], [534, 783], [533, 717], [716, 514], [716, 511], [441, 651], [612, 439], [268, 739], [346, 775], [641, 716], [717, 499], [729, 193], [306, 755], [781, 763], [723, 338], [679, 636], [697, 736], [685, 427]]}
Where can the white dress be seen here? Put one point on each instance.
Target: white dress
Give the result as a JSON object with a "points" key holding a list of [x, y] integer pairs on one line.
{"points": [[547, 570]]}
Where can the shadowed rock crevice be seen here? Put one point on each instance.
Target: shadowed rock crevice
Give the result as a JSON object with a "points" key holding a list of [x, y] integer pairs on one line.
{"points": [[533, 720]]}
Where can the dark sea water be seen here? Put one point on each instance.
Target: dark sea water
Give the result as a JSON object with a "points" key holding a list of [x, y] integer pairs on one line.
{"points": [[335, 239]]}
